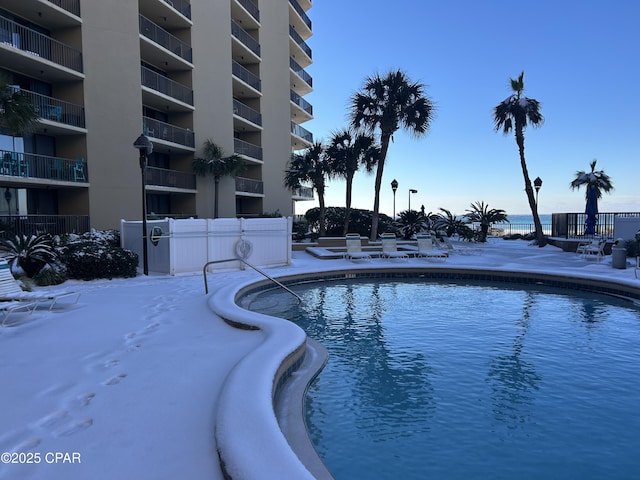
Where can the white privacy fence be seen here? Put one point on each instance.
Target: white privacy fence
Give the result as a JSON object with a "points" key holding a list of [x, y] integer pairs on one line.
{"points": [[184, 246]]}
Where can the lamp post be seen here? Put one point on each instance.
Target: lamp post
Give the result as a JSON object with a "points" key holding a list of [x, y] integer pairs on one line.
{"points": [[394, 187], [145, 147], [537, 184], [411, 190]]}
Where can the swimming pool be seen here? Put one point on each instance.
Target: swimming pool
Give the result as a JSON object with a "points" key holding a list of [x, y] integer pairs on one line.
{"points": [[466, 379]]}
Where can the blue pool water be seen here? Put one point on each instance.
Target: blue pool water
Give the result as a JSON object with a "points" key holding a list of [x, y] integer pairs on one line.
{"points": [[466, 381]]}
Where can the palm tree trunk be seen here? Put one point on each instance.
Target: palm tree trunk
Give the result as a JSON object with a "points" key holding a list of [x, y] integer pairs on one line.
{"points": [[384, 146], [540, 238], [321, 216], [347, 210]]}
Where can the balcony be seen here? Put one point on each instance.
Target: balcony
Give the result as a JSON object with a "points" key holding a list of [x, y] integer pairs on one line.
{"points": [[166, 87], [299, 19], [171, 14], [302, 107], [250, 43], [249, 186], [35, 54], [37, 224], [167, 133], [302, 87], [302, 193], [302, 133], [55, 110], [26, 167], [51, 14], [246, 149], [171, 47], [247, 77], [246, 11], [300, 45], [246, 113], [169, 179]]}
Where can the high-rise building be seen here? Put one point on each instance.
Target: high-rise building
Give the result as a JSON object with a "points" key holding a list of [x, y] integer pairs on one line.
{"points": [[101, 72]]}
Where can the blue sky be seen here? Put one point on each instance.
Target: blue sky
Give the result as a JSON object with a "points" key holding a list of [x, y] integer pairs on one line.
{"points": [[581, 61]]}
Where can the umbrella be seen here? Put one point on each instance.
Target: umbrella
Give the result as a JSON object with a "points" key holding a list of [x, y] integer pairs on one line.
{"points": [[591, 211]]}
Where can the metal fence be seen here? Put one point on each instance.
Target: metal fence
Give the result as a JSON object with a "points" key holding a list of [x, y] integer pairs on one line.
{"points": [[11, 225]]}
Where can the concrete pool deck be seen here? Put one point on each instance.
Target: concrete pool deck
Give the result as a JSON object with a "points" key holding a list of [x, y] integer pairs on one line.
{"points": [[139, 371]]}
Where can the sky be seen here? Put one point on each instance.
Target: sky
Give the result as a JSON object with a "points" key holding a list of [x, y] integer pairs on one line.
{"points": [[581, 61]]}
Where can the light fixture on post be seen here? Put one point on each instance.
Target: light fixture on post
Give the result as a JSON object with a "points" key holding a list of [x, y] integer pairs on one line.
{"points": [[394, 187], [537, 184], [145, 147], [411, 190]]}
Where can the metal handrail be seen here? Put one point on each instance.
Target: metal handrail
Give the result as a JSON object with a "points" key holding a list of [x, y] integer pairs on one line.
{"points": [[206, 285]]}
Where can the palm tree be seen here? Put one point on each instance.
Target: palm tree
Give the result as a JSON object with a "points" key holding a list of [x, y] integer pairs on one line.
{"points": [[346, 153], [451, 224], [595, 183], [217, 164], [482, 214], [515, 113], [17, 112], [387, 104], [411, 222], [310, 167]]}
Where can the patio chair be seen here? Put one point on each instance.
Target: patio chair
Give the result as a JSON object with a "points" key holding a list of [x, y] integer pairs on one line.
{"points": [[427, 250], [390, 247], [592, 249], [7, 308], [11, 291], [458, 249], [354, 248]]}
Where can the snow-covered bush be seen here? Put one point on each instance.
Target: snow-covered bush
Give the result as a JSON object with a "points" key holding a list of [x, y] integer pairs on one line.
{"points": [[96, 254]]}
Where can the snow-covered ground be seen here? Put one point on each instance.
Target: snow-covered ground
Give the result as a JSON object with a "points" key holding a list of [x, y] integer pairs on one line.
{"points": [[126, 383]]}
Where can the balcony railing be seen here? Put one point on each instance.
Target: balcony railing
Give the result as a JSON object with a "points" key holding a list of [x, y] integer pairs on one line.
{"points": [[248, 185], [303, 192], [183, 6], [246, 76], [165, 131], [244, 38], [50, 108], [29, 165], [71, 6], [296, 6], [299, 41], [11, 225], [301, 102], [159, 35], [301, 132], [250, 7], [166, 86], [39, 45], [170, 178], [247, 113], [247, 149], [298, 70]]}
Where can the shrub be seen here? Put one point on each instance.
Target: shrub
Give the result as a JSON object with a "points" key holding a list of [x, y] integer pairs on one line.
{"points": [[359, 221], [30, 253], [53, 273], [97, 255]]}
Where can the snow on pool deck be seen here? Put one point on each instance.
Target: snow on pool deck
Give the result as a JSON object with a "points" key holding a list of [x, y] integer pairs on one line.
{"points": [[129, 379]]}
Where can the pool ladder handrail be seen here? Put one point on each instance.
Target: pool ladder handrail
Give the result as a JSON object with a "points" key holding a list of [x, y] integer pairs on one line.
{"points": [[206, 285]]}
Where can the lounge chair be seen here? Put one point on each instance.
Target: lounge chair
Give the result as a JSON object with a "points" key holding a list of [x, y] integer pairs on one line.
{"points": [[426, 248], [354, 248], [390, 247], [592, 249], [460, 250], [10, 290], [7, 308]]}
